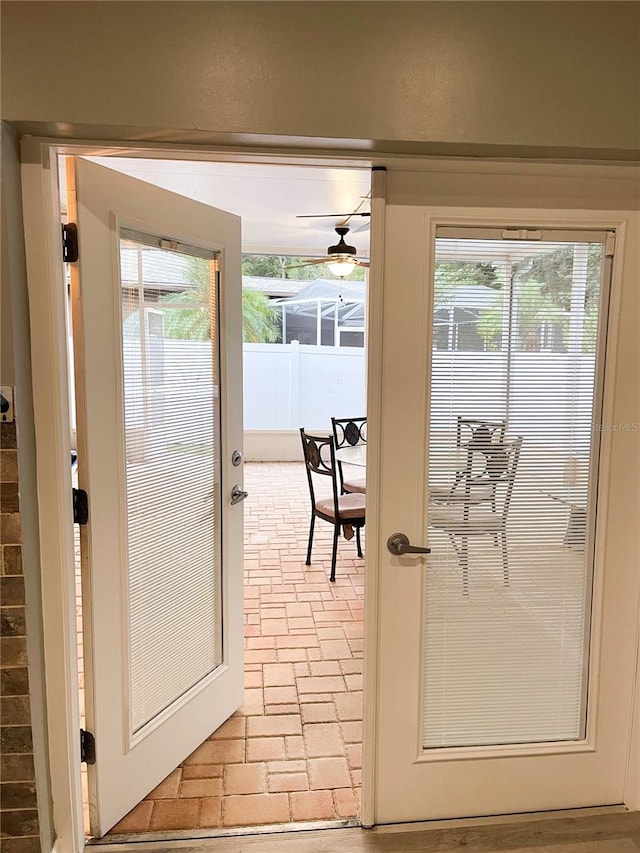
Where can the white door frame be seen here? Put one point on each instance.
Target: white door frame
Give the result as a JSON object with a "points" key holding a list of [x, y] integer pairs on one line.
{"points": [[52, 429]]}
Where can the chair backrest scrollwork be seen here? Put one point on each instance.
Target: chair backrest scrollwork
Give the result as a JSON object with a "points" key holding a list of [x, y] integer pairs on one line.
{"points": [[476, 431], [319, 458], [351, 431]]}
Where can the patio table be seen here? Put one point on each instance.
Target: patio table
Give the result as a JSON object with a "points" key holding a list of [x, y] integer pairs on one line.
{"points": [[356, 455], [450, 459], [575, 497]]}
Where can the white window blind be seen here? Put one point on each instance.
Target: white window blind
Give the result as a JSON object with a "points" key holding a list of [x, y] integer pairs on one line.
{"points": [[172, 483], [512, 470]]}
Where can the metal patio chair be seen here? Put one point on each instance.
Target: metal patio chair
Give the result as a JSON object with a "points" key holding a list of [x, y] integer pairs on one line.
{"points": [[349, 432], [471, 433], [346, 511], [468, 518]]}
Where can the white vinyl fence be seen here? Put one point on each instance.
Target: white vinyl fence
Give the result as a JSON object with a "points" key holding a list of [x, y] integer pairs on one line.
{"points": [[287, 386]]}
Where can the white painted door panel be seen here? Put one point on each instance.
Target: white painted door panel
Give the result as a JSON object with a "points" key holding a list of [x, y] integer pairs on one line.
{"points": [[157, 334], [412, 782]]}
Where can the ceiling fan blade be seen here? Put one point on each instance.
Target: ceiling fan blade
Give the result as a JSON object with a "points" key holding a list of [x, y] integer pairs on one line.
{"points": [[362, 263], [308, 264], [329, 215], [364, 227]]}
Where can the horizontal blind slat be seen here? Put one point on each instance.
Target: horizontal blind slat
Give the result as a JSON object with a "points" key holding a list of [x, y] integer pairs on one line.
{"points": [[508, 582], [172, 475]]}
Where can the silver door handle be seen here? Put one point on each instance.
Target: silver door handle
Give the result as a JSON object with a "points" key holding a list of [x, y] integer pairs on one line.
{"points": [[398, 544], [237, 495]]}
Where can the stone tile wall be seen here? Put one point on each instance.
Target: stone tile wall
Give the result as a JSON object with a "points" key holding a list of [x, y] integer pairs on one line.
{"points": [[18, 805]]}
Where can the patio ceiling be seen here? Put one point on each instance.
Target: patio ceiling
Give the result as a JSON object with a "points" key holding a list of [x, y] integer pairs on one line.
{"points": [[268, 198]]}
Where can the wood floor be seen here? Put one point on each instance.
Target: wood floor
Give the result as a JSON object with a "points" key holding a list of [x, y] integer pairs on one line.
{"points": [[585, 831]]}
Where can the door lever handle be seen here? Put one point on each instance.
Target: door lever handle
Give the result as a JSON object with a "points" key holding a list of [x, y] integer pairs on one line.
{"points": [[398, 544], [238, 495]]}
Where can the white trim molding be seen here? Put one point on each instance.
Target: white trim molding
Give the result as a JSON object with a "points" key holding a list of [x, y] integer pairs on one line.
{"points": [[50, 359]]}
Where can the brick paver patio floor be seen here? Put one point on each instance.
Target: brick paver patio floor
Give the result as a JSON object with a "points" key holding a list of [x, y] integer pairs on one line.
{"points": [[293, 751]]}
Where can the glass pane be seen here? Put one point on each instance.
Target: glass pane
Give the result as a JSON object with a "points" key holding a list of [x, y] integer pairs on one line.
{"points": [[327, 323], [172, 477], [508, 584], [301, 323], [351, 339]]}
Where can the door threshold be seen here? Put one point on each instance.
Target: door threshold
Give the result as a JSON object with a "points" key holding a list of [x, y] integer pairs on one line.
{"points": [[532, 830], [134, 838], [511, 819]]}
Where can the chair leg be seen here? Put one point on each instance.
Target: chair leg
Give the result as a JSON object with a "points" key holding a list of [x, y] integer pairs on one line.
{"points": [[464, 564], [454, 544], [358, 542], [462, 553], [505, 557], [493, 509], [313, 521], [334, 555]]}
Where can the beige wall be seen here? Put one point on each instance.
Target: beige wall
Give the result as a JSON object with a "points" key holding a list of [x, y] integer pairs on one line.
{"points": [[447, 77]]}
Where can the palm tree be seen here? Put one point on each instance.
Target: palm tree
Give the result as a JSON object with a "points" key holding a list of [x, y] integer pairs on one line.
{"points": [[258, 318], [193, 322]]}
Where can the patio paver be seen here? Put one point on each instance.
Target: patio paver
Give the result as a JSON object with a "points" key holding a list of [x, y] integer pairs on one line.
{"points": [[293, 751]]}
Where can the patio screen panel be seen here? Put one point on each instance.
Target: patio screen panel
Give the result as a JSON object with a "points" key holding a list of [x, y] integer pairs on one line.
{"points": [[171, 419], [518, 329]]}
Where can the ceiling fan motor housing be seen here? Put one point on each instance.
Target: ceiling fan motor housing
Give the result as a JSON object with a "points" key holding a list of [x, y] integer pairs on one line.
{"points": [[341, 247]]}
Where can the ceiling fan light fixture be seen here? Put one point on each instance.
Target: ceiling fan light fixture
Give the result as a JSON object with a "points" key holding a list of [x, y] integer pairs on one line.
{"points": [[341, 258], [341, 247], [342, 266]]}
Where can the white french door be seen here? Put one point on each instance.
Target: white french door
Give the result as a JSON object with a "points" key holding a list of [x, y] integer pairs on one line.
{"points": [[156, 309], [506, 656]]}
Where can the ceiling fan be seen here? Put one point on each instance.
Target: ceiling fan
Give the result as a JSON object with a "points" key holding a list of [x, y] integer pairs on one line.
{"points": [[343, 218], [341, 258]]}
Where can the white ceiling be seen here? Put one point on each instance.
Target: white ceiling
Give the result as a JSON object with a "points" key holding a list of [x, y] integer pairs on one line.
{"points": [[268, 198]]}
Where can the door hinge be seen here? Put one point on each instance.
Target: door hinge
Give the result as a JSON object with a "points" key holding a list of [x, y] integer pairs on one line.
{"points": [[610, 244], [70, 243], [80, 506], [87, 747]]}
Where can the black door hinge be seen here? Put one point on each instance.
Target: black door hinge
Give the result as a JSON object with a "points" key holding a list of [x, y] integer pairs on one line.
{"points": [[87, 747], [80, 506], [70, 242]]}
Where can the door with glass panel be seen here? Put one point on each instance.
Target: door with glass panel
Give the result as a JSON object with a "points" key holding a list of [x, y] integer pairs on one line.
{"points": [[506, 669], [156, 305]]}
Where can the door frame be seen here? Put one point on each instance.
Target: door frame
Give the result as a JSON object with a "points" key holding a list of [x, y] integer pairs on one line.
{"points": [[50, 382]]}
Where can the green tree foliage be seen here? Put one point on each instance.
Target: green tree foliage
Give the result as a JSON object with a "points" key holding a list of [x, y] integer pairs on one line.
{"points": [[546, 284], [535, 306], [542, 287], [193, 322], [265, 266], [258, 318], [452, 274], [286, 266], [489, 327]]}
